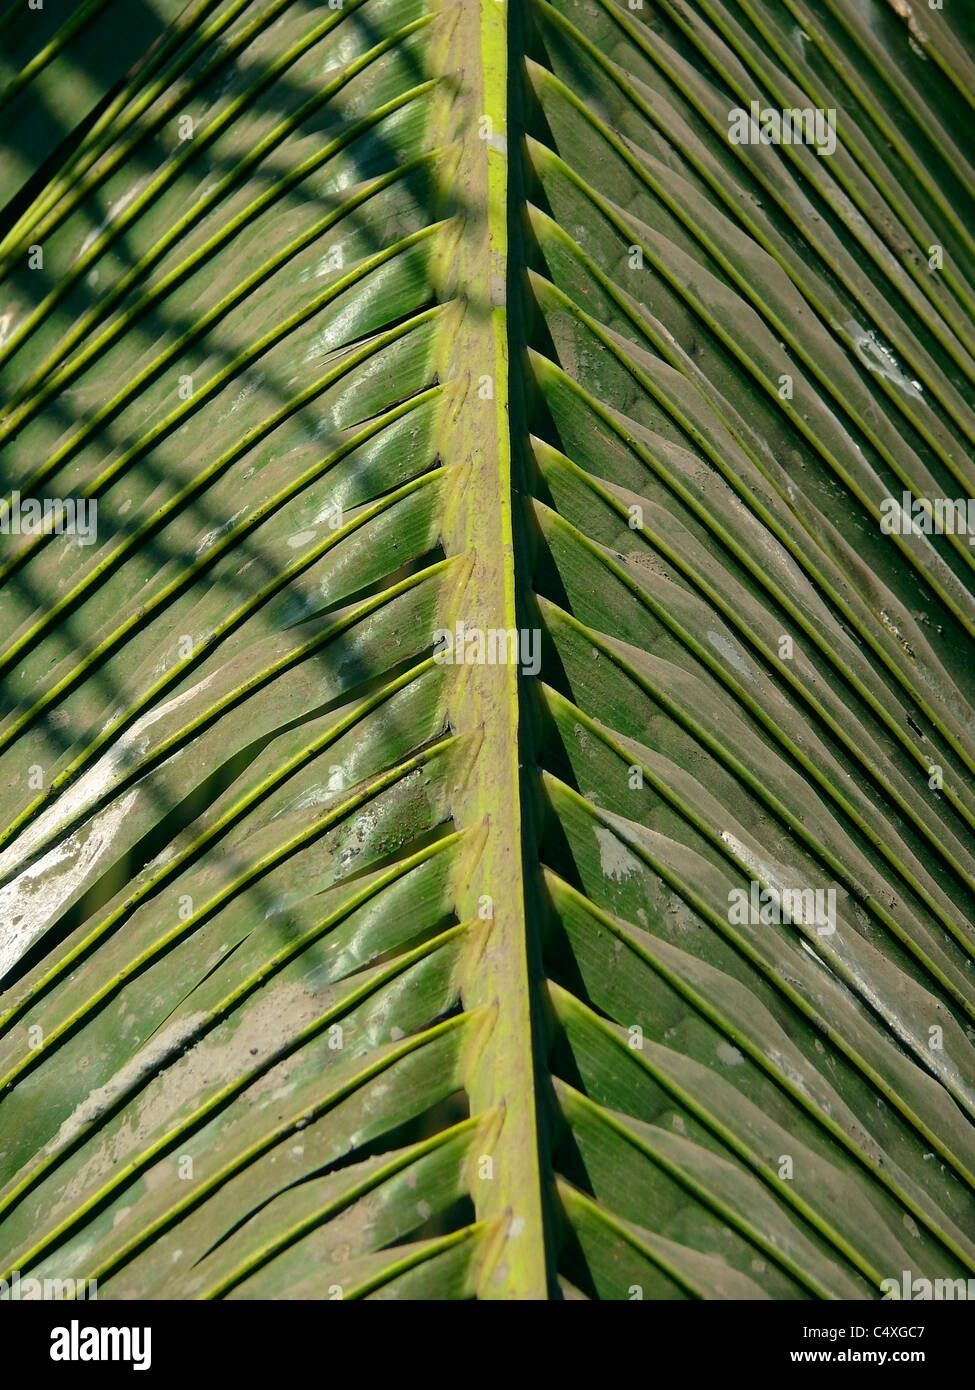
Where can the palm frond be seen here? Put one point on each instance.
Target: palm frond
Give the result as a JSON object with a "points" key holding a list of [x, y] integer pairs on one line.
{"points": [[335, 969]]}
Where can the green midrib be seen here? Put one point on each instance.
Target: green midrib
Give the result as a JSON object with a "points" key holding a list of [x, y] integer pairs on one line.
{"points": [[484, 700]]}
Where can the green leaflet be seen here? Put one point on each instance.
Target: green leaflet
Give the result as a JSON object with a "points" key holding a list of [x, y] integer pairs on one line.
{"points": [[332, 969]]}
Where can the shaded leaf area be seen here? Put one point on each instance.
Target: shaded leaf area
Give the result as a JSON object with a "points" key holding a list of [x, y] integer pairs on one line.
{"points": [[228, 905], [750, 1110], [244, 1042]]}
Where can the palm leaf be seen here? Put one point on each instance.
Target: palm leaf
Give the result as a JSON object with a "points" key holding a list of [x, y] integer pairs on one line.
{"points": [[333, 969]]}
